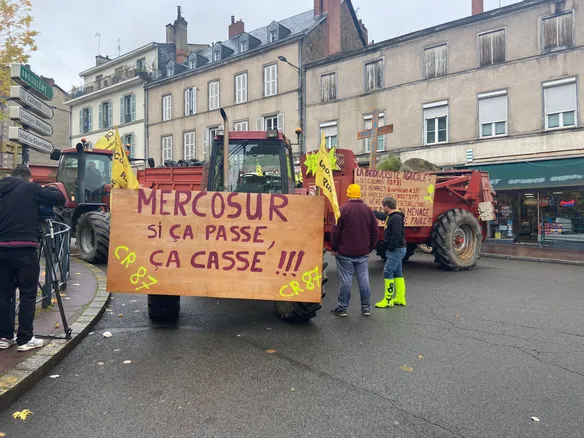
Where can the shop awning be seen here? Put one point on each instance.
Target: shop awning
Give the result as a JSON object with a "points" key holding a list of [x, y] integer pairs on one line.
{"points": [[566, 172]]}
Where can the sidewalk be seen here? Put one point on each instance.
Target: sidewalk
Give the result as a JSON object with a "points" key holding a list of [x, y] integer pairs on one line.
{"points": [[533, 254], [84, 301]]}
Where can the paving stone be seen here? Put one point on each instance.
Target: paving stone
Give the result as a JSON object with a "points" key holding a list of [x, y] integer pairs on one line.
{"points": [[33, 363]]}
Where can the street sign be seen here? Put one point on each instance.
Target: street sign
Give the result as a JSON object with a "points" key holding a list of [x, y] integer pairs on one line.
{"points": [[22, 75], [31, 121], [25, 138], [23, 97]]}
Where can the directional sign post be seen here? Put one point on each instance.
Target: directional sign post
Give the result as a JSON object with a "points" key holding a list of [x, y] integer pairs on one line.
{"points": [[30, 112]]}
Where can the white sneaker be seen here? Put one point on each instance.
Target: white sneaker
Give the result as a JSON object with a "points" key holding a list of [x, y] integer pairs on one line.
{"points": [[31, 345], [7, 343]]}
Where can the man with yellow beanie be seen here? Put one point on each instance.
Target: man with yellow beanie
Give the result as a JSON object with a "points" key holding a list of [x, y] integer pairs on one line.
{"points": [[354, 236]]}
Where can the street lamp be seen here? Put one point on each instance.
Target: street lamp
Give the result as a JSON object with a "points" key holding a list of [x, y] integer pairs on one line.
{"points": [[300, 104], [283, 59]]}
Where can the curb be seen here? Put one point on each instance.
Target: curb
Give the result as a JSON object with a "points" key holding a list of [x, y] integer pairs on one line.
{"points": [[534, 259], [32, 370]]}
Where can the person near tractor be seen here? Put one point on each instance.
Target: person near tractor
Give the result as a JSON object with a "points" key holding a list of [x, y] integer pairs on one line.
{"points": [[20, 202], [354, 236], [394, 244]]}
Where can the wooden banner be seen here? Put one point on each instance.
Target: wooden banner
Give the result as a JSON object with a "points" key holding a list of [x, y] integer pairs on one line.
{"points": [[215, 244], [414, 193]]}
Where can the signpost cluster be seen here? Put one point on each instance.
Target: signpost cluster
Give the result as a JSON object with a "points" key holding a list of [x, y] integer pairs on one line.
{"points": [[31, 112]]}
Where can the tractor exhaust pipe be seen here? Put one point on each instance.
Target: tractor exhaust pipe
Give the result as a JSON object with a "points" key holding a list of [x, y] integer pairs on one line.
{"points": [[225, 150], [81, 172]]}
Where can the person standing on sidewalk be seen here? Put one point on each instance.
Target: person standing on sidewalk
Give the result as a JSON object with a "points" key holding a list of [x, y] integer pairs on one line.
{"points": [[394, 244], [354, 236], [20, 201]]}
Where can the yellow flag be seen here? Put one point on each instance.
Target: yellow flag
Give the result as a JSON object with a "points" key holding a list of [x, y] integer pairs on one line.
{"points": [[107, 142], [324, 178], [259, 170], [122, 173]]}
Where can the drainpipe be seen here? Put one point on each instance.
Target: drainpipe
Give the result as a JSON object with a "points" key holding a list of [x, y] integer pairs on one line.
{"points": [[301, 98], [146, 155]]}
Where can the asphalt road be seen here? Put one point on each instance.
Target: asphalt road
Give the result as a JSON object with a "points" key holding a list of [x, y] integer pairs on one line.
{"points": [[475, 354]]}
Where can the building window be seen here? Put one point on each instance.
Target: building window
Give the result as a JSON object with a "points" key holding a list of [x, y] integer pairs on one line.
{"points": [[330, 130], [128, 109], [209, 134], [492, 48], [166, 148], [493, 114], [368, 123], [213, 95], [190, 101], [374, 75], [192, 61], [273, 35], [241, 88], [170, 69], [128, 140], [217, 55], [561, 103], [557, 32], [269, 123], [243, 46], [271, 80], [189, 145], [141, 64], [86, 120], [436, 123], [105, 114], [241, 126], [167, 107], [436, 61], [328, 87]]}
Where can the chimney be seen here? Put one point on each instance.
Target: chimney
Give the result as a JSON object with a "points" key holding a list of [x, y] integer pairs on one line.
{"points": [[478, 7], [169, 34], [236, 28], [101, 60], [332, 24], [49, 81], [364, 30], [180, 37]]}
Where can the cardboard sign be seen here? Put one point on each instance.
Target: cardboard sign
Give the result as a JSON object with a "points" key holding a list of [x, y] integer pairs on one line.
{"points": [[414, 193], [216, 244]]}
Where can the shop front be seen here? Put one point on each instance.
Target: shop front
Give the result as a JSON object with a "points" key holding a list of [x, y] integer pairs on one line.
{"points": [[538, 202]]}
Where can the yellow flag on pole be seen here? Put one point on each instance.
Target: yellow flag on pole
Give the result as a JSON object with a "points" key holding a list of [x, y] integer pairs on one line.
{"points": [[107, 142], [122, 173], [324, 178]]}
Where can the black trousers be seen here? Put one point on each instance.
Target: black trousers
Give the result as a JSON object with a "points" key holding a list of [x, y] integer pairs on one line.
{"points": [[19, 268]]}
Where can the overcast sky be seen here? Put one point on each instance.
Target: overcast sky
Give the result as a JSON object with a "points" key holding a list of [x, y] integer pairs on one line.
{"points": [[67, 46]]}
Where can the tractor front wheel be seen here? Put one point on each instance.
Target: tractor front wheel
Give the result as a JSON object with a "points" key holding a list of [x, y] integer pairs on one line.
{"points": [[163, 308], [457, 240], [92, 235]]}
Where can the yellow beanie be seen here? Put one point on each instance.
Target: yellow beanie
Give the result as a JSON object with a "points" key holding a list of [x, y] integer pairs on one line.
{"points": [[354, 191]]}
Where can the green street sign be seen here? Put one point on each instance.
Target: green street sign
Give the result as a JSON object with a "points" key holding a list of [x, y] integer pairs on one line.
{"points": [[22, 75]]}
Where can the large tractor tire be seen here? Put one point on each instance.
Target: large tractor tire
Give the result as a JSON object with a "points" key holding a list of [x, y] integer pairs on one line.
{"points": [[301, 312], [92, 235], [411, 249], [163, 308], [457, 240]]}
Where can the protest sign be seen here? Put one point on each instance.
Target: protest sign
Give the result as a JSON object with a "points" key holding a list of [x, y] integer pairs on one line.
{"points": [[414, 193], [216, 244]]}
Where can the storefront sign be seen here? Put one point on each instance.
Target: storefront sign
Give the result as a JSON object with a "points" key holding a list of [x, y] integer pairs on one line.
{"points": [[214, 244], [570, 203], [414, 193]]}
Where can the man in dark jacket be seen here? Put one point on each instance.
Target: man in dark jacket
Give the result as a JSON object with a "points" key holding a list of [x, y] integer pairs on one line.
{"points": [[394, 243], [354, 237], [20, 200]]}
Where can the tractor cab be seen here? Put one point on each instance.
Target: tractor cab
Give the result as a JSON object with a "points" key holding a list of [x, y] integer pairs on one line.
{"points": [[259, 162]]}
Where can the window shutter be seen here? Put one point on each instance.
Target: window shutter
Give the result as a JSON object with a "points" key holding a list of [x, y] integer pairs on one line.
{"points": [[275, 80], [266, 81], [189, 146], [493, 109], [560, 98], [81, 121], [206, 143], [194, 100], [187, 102], [110, 115], [122, 112], [330, 131], [238, 89], [100, 119], [133, 112], [132, 149], [439, 111], [217, 95], [90, 119], [170, 110], [244, 87], [370, 76], [280, 122], [260, 124]]}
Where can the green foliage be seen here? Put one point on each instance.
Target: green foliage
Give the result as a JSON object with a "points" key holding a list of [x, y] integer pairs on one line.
{"points": [[418, 165], [391, 162]]}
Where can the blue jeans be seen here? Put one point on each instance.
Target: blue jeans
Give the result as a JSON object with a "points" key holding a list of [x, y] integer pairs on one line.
{"points": [[393, 264], [346, 266]]}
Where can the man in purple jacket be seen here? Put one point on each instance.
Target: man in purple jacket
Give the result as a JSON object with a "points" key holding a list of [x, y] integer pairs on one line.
{"points": [[354, 236]]}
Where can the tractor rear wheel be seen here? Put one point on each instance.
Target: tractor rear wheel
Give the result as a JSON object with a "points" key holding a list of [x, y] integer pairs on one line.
{"points": [[163, 308], [92, 235], [457, 240]]}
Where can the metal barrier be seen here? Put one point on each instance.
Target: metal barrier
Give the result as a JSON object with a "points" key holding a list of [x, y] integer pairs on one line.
{"points": [[562, 233], [55, 249]]}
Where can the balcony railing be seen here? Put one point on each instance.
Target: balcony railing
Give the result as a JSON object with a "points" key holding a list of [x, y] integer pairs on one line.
{"points": [[121, 75]]}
